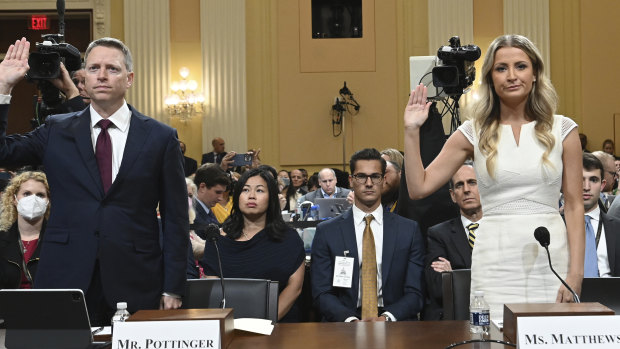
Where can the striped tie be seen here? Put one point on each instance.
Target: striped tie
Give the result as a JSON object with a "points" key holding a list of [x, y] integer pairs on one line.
{"points": [[369, 272], [471, 229]]}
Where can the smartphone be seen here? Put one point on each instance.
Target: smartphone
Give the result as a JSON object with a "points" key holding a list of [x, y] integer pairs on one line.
{"points": [[242, 160]]}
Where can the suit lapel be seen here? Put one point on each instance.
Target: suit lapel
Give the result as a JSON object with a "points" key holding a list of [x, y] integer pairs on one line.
{"points": [[610, 239], [138, 133], [82, 134], [347, 230], [460, 240], [390, 234]]}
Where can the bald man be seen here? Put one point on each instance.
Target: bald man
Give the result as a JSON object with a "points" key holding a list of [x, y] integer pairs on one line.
{"points": [[217, 154], [328, 188]]}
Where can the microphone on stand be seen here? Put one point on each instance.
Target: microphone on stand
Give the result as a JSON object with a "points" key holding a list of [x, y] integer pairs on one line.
{"points": [[542, 236], [213, 233]]}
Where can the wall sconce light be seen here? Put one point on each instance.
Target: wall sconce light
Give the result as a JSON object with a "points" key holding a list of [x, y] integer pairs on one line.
{"points": [[184, 100]]}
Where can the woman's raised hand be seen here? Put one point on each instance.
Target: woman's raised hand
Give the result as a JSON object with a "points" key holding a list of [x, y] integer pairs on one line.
{"points": [[417, 108]]}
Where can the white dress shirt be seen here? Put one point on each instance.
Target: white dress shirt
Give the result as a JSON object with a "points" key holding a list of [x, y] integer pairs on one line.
{"points": [[377, 231], [601, 250], [118, 133]]}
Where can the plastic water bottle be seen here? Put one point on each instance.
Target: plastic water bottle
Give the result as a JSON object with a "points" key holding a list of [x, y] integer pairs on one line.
{"points": [[314, 213], [121, 313], [479, 315]]}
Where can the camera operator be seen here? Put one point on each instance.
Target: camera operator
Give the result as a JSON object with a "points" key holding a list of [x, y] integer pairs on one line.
{"points": [[78, 79], [75, 99]]}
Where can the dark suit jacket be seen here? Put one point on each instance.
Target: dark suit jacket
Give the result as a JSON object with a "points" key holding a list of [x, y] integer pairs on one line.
{"points": [[211, 158], [401, 269], [189, 166], [447, 240], [202, 219], [612, 238], [118, 228]]}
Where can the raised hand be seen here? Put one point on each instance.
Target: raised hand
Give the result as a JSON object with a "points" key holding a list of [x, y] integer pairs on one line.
{"points": [[417, 108], [14, 66]]}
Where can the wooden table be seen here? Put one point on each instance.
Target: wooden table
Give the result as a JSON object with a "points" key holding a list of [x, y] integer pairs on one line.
{"points": [[363, 335]]}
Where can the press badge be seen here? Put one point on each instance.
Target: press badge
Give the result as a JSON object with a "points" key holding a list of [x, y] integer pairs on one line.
{"points": [[343, 272]]}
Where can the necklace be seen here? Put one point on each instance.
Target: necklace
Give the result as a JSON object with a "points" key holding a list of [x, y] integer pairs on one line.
{"points": [[245, 235], [27, 244]]}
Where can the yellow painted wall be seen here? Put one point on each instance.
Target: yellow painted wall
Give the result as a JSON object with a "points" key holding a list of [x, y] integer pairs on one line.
{"points": [[305, 99], [600, 75]]}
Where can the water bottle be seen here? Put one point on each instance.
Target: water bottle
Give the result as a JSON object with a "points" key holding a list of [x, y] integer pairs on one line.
{"points": [[479, 317], [314, 213], [121, 313]]}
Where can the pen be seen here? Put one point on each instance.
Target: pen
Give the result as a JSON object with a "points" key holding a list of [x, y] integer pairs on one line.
{"points": [[98, 330]]}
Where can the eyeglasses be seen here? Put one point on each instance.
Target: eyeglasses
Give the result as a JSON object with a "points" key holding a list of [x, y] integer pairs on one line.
{"points": [[361, 178]]}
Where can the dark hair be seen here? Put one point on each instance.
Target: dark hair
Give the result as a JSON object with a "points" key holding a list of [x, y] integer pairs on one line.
{"points": [[367, 154], [591, 162], [274, 225], [211, 175], [313, 181], [269, 169], [466, 163]]}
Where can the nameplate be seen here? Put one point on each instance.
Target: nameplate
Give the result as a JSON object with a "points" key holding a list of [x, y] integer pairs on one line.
{"points": [[196, 334], [568, 332]]}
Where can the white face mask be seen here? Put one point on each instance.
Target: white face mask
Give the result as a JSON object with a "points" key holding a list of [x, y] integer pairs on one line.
{"points": [[31, 206]]}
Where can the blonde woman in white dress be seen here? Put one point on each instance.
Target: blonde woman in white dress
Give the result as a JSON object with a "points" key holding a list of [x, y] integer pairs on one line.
{"points": [[523, 156]]}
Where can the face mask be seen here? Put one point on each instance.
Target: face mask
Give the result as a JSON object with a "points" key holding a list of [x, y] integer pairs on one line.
{"points": [[31, 207], [286, 181]]}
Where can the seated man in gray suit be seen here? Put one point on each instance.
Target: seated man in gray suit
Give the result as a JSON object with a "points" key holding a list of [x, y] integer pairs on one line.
{"points": [[450, 243], [328, 188]]}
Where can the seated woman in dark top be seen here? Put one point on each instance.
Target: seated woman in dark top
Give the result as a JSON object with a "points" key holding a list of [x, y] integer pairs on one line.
{"points": [[257, 244], [26, 208]]}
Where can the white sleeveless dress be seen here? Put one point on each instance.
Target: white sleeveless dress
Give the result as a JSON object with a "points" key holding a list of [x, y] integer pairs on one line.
{"points": [[508, 264]]}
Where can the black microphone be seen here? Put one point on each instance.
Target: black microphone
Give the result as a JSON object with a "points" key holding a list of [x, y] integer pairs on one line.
{"points": [[542, 236], [213, 233], [60, 7]]}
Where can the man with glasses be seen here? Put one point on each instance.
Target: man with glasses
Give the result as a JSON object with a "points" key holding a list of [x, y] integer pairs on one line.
{"points": [[367, 264], [328, 188]]}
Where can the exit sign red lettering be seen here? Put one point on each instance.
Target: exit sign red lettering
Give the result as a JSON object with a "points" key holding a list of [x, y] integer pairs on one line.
{"points": [[38, 22]]}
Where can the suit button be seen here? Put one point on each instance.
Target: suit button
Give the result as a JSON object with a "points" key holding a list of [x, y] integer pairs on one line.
{"points": [[97, 233]]}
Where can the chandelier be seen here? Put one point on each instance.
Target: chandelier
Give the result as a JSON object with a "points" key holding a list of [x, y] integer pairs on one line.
{"points": [[184, 100]]}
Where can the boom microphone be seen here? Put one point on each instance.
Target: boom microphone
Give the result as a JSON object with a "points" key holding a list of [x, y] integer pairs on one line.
{"points": [[542, 236], [213, 233]]}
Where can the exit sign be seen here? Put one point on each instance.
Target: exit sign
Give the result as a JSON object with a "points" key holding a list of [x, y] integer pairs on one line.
{"points": [[38, 22]]}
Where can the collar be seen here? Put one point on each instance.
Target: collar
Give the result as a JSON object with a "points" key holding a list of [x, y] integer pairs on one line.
{"points": [[467, 222], [203, 206], [120, 118], [358, 215], [323, 193], [595, 213]]}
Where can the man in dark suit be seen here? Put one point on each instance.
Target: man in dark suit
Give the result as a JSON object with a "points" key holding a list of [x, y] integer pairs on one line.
{"points": [[211, 182], [189, 165], [327, 188], [375, 257], [108, 167], [449, 244], [602, 255], [218, 153]]}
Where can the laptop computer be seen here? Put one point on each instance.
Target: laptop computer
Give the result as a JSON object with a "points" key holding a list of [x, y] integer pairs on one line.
{"points": [[42, 318], [331, 207], [603, 290]]}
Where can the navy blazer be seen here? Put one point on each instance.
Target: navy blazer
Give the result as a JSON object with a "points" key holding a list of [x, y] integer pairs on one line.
{"points": [[447, 240], [612, 238], [118, 228], [401, 268]]}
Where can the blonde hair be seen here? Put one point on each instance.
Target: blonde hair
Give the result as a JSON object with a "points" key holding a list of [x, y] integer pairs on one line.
{"points": [[540, 106], [9, 212]]}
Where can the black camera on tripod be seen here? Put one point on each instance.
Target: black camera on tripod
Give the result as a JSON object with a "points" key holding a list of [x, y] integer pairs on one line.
{"points": [[457, 71]]}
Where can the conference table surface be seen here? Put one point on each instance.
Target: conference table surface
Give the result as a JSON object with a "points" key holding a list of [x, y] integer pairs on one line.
{"points": [[365, 335], [361, 335]]}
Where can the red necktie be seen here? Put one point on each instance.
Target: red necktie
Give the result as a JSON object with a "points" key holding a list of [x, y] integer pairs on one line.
{"points": [[103, 153]]}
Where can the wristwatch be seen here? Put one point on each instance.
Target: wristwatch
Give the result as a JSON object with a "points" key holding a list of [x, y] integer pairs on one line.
{"points": [[387, 318]]}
